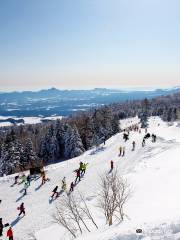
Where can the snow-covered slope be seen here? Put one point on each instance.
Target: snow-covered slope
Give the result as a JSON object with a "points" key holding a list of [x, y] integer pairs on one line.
{"points": [[152, 171], [7, 121]]}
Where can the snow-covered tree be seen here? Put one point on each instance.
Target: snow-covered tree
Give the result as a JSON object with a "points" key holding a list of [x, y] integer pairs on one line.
{"points": [[60, 132], [73, 146], [115, 124], [29, 156], [84, 123], [11, 156], [49, 148], [144, 113]]}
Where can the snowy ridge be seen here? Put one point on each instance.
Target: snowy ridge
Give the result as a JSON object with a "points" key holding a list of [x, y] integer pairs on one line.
{"points": [[26, 120], [152, 171]]}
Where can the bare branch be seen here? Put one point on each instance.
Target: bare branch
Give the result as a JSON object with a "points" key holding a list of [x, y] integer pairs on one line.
{"points": [[113, 195], [72, 213]]}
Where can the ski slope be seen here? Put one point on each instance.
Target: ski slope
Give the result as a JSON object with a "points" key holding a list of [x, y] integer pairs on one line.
{"points": [[153, 173]]}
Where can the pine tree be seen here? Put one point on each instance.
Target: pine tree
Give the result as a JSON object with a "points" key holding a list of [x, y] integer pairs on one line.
{"points": [[115, 124], [144, 113], [105, 124], [60, 132], [73, 145], [96, 141], [49, 149], [11, 156], [85, 129], [29, 156]]}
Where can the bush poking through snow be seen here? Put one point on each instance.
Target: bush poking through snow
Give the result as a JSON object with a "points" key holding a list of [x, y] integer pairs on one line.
{"points": [[113, 196], [73, 214]]}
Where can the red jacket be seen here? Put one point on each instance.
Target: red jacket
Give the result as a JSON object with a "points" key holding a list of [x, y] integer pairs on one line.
{"points": [[21, 208], [78, 173], [10, 233]]}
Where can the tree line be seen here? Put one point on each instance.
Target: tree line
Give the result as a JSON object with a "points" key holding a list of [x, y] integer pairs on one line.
{"points": [[25, 146]]}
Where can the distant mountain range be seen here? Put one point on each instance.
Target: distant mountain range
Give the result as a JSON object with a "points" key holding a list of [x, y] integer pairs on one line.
{"points": [[52, 102]]}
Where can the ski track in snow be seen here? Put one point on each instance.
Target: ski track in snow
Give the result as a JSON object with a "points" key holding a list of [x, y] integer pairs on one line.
{"points": [[152, 172]]}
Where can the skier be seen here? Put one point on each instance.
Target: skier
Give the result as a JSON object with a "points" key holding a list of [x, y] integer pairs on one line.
{"points": [[55, 192], [153, 138], [84, 167], [25, 187], [120, 151], [104, 140], [147, 136], [143, 142], [126, 136], [63, 180], [78, 175], [123, 151], [29, 180], [16, 179], [71, 187], [10, 233], [112, 165], [22, 209], [44, 179], [23, 178], [81, 166], [134, 144], [1, 227], [64, 186]]}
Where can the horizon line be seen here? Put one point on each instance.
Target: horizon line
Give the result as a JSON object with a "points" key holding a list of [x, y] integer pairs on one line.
{"points": [[132, 88]]}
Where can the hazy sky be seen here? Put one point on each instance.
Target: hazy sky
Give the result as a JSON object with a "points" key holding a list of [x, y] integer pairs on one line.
{"points": [[89, 43]]}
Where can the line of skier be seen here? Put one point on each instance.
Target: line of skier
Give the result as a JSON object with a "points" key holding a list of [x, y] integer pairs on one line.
{"points": [[23, 179], [26, 180], [122, 149], [79, 174], [126, 134], [147, 136], [19, 179], [134, 127], [10, 234]]}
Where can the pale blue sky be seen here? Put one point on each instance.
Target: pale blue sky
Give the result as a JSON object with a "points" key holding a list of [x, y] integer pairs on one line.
{"points": [[89, 43]]}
